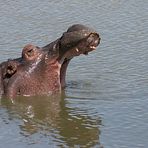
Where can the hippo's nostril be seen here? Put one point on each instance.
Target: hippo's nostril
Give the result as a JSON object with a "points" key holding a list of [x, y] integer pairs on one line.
{"points": [[93, 40], [97, 42]]}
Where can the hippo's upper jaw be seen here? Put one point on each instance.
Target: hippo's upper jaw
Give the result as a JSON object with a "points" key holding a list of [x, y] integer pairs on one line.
{"points": [[79, 39]]}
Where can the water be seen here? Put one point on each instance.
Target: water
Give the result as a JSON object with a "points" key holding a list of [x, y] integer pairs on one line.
{"points": [[105, 102]]}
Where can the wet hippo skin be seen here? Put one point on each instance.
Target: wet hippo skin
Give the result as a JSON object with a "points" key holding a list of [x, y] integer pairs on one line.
{"points": [[42, 70]]}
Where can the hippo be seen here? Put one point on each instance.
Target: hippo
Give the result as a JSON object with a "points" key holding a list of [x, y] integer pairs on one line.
{"points": [[42, 70]]}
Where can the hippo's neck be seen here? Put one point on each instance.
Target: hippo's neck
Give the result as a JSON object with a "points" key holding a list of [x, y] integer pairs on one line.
{"points": [[45, 76], [52, 76]]}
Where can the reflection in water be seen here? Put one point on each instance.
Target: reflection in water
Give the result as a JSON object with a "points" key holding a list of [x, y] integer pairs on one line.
{"points": [[51, 117]]}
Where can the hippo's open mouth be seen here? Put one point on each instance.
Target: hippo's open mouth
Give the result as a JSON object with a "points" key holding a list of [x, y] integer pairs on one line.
{"points": [[83, 46]]}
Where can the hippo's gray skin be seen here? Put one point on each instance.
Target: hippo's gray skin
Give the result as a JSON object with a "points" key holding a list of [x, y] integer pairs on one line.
{"points": [[42, 71]]}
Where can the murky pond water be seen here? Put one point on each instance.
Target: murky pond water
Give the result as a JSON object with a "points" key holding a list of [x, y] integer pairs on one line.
{"points": [[105, 102]]}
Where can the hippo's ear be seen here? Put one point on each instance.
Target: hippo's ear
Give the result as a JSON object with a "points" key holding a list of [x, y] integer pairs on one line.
{"points": [[30, 52], [10, 68]]}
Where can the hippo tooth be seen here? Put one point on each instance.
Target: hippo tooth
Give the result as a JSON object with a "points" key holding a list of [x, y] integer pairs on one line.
{"points": [[77, 49], [46, 57], [92, 47], [25, 120]]}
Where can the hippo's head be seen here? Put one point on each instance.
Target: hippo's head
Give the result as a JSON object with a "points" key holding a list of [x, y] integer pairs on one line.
{"points": [[78, 39]]}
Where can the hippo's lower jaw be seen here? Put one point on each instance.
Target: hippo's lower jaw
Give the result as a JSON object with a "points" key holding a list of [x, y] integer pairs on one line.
{"points": [[63, 73]]}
